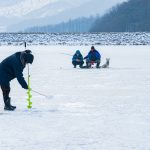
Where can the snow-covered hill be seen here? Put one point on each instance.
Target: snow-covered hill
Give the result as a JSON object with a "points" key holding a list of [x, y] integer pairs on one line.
{"points": [[28, 13], [21, 8]]}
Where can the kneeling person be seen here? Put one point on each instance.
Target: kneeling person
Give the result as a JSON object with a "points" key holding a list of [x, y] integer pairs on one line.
{"points": [[77, 59], [93, 57]]}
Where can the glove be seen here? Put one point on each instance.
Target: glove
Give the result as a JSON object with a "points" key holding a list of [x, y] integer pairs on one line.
{"points": [[26, 88]]}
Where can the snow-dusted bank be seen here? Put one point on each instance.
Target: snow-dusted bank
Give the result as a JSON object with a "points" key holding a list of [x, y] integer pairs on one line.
{"points": [[89, 109], [125, 38]]}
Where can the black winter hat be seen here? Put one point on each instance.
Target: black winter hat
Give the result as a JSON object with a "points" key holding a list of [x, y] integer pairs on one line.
{"points": [[92, 47], [28, 58], [28, 51]]}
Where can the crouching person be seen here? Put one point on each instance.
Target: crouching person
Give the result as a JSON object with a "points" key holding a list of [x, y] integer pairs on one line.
{"points": [[11, 68], [93, 57], [77, 59]]}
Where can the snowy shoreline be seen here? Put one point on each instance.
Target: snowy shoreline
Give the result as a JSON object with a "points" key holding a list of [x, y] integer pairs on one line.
{"points": [[73, 39]]}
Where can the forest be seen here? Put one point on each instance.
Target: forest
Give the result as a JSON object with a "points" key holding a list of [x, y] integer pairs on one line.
{"points": [[130, 16]]}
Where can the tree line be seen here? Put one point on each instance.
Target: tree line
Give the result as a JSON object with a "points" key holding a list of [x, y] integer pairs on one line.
{"points": [[130, 16], [77, 25]]}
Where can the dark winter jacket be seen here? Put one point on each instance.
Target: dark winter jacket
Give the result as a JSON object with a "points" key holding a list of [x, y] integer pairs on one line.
{"points": [[77, 55], [10, 68], [93, 55]]}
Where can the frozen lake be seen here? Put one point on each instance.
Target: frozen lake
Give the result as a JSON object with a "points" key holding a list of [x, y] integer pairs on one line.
{"points": [[93, 109]]}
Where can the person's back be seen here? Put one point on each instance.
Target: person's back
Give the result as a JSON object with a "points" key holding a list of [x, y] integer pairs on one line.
{"points": [[10, 68]]}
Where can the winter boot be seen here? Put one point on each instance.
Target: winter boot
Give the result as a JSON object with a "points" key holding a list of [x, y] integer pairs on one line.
{"points": [[97, 66], [81, 66], [88, 65], [8, 106]]}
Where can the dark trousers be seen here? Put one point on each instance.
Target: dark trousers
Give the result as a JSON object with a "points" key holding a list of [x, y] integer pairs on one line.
{"points": [[89, 62], [5, 91], [75, 63]]}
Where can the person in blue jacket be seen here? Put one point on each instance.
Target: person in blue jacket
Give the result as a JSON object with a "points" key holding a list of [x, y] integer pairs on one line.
{"points": [[77, 59], [93, 57], [10, 68]]}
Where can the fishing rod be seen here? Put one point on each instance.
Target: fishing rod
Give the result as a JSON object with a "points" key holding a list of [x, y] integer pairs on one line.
{"points": [[66, 54], [46, 96]]}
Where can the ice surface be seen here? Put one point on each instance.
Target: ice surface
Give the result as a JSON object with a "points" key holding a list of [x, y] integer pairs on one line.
{"points": [[93, 109]]}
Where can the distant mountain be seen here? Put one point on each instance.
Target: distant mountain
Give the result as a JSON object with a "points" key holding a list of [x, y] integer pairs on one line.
{"points": [[133, 16], [47, 12], [59, 11]]}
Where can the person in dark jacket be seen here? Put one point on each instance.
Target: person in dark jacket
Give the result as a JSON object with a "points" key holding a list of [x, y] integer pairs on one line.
{"points": [[93, 57], [10, 68], [77, 59]]}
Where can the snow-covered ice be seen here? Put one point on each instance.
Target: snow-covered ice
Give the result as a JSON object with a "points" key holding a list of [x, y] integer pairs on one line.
{"points": [[93, 109]]}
